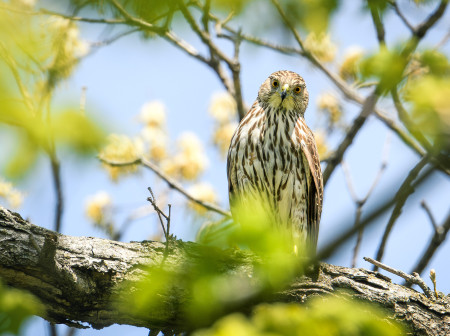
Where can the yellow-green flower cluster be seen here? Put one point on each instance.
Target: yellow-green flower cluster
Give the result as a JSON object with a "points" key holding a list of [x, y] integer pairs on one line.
{"points": [[99, 209], [67, 48], [190, 159], [12, 196], [321, 46], [154, 133], [121, 149], [431, 110], [329, 104], [223, 109], [203, 192], [350, 65]]}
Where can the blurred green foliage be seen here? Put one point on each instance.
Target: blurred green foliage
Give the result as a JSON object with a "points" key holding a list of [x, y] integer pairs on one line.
{"points": [[312, 15], [328, 316], [36, 54], [429, 96], [15, 308], [214, 279], [386, 66]]}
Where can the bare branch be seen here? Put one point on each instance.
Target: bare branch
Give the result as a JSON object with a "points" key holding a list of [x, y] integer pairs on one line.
{"points": [[184, 46], [414, 278], [369, 219], [377, 23], [401, 16], [57, 183], [438, 238], [203, 35], [78, 278], [161, 214], [443, 41], [136, 21], [427, 209], [44, 11], [404, 117], [423, 28], [357, 124], [170, 181], [405, 190], [360, 202]]}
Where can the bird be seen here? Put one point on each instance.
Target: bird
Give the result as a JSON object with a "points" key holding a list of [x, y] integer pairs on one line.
{"points": [[273, 160]]}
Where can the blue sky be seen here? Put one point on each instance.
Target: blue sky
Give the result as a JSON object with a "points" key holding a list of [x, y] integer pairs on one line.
{"points": [[121, 77]]}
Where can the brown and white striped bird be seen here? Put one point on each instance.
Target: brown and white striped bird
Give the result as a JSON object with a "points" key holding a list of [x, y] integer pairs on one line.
{"points": [[273, 159]]}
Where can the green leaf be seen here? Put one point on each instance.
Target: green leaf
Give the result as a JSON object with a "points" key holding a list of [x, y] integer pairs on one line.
{"points": [[436, 62], [322, 316], [430, 108], [387, 66], [16, 307], [25, 156], [77, 131]]}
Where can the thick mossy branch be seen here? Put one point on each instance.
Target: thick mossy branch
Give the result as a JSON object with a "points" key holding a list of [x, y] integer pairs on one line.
{"points": [[77, 277]]}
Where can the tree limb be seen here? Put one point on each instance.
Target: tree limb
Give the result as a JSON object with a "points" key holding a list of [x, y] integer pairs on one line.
{"points": [[76, 278]]}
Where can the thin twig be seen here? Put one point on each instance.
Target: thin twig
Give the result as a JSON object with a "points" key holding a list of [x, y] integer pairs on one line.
{"points": [[160, 213], [377, 23], [137, 21], [423, 28], [427, 209], [357, 124], [57, 183], [443, 41], [359, 236], [400, 15], [405, 190], [438, 238], [414, 278], [360, 202], [380, 209], [203, 35], [404, 117], [170, 181]]}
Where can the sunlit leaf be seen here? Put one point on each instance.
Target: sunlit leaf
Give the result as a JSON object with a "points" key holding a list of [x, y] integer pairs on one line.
{"points": [[329, 316], [386, 66], [437, 63], [431, 111]]}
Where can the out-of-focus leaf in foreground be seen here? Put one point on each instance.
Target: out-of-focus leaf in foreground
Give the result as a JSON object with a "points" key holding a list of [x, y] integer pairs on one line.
{"points": [[251, 260], [429, 96], [386, 67], [330, 316], [36, 53], [312, 15], [15, 308]]}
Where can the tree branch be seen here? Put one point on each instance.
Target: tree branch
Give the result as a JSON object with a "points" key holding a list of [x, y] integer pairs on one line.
{"points": [[170, 181], [357, 124], [76, 278], [401, 196], [414, 279], [438, 238]]}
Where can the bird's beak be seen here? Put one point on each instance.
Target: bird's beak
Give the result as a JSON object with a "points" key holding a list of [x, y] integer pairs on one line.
{"points": [[284, 91]]}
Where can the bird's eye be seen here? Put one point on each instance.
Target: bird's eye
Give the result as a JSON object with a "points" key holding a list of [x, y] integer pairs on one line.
{"points": [[275, 83], [297, 90]]}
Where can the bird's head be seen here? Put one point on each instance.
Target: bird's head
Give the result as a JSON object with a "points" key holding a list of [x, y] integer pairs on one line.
{"points": [[284, 89]]}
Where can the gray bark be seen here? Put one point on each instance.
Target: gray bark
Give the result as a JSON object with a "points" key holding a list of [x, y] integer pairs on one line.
{"points": [[77, 277]]}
